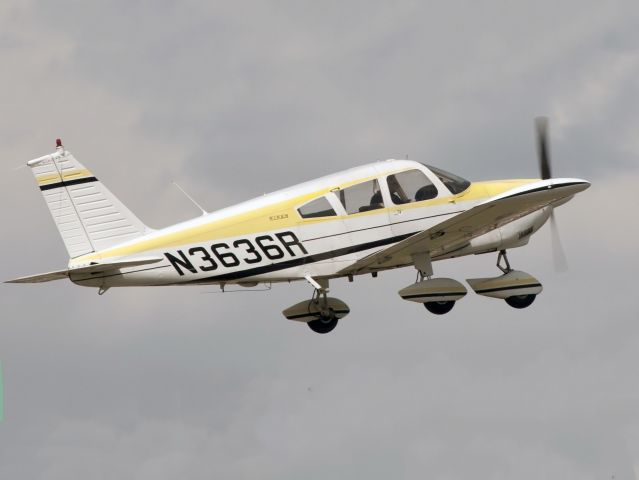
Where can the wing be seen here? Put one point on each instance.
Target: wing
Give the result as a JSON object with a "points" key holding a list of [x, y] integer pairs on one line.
{"points": [[457, 231]]}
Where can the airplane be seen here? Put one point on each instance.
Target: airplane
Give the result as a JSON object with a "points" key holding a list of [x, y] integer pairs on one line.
{"points": [[380, 216]]}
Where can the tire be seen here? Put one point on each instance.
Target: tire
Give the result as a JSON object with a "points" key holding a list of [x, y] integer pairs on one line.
{"points": [[323, 324], [520, 301], [439, 308]]}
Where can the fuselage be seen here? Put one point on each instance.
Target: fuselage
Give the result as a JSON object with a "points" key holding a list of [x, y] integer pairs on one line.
{"points": [[316, 228]]}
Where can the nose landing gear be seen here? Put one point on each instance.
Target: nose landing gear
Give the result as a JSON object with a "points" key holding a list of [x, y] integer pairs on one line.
{"points": [[519, 289]]}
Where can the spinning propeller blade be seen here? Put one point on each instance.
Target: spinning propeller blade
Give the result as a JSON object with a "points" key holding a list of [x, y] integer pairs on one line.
{"points": [[545, 171], [541, 124], [558, 254]]}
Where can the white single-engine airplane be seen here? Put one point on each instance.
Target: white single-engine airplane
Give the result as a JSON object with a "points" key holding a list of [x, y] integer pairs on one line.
{"points": [[364, 220]]}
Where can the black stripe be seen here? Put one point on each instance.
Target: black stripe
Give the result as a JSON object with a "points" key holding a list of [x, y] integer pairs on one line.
{"points": [[68, 183], [296, 262], [514, 287], [405, 297], [543, 189], [311, 314], [274, 267]]}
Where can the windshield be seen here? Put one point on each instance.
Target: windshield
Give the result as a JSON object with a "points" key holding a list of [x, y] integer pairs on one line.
{"points": [[454, 183]]}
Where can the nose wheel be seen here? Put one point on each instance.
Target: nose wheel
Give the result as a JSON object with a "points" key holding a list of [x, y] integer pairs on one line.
{"points": [[324, 324], [439, 308], [515, 301]]}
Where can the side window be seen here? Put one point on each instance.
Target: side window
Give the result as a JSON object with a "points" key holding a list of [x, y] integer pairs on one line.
{"points": [[316, 208], [361, 197], [410, 186]]}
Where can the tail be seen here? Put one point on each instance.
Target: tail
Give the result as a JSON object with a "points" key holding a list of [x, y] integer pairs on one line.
{"points": [[88, 216]]}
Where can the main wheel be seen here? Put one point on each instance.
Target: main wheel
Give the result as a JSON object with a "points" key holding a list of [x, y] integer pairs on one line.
{"points": [[439, 308], [324, 324], [520, 301]]}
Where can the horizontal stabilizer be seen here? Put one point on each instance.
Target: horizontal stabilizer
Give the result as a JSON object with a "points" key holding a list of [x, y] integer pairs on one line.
{"points": [[89, 269], [42, 277], [113, 265]]}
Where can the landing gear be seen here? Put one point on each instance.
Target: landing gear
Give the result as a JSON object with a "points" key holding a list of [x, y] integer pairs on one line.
{"points": [[515, 301], [321, 313], [518, 289], [324, 324], [520, 301], [438, 295], [439, 308]]}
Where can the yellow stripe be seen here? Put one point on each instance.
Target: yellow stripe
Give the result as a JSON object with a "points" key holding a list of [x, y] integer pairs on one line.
{"points": [[259, 220], [49, 178]]}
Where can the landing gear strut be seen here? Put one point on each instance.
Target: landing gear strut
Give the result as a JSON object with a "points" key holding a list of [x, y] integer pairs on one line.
{"points": [[327, 319], [503, 256]]}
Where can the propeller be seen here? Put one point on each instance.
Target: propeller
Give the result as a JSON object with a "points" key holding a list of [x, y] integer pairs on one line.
{"points": [[543, 153]]}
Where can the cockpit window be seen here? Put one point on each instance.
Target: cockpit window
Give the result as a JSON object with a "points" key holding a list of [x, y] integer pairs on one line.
{"points": [[410, 186], [361, 197], [317, 208], [454, 183]]}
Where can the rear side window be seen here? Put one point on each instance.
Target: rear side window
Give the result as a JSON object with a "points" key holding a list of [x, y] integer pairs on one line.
{"points": [[361, 197], [410, 186], [317, 208]]}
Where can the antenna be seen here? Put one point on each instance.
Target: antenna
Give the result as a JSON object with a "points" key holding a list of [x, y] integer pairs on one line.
{"points": [[204, 212]]}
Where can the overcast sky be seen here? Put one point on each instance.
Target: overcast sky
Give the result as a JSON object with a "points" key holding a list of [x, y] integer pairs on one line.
{"points": [[235, 99]]}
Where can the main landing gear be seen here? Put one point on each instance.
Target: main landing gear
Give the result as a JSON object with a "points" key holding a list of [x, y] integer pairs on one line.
{"points": [[321, 313], [438, 295]]}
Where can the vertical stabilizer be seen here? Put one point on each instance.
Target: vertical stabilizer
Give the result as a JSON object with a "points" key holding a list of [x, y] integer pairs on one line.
{"points": [[88, 216]]}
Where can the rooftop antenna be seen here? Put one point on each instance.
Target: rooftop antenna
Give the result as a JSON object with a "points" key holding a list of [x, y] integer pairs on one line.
{"points": [[204, 212]]}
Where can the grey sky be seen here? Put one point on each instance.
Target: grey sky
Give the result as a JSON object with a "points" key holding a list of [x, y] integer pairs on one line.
{"points": [[234, 100]]}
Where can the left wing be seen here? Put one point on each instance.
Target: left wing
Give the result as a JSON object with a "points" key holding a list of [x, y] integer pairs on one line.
{"points": [[457, 231]]}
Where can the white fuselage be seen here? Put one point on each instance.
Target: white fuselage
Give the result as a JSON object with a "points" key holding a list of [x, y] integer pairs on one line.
{"points": [[266, 240]]}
